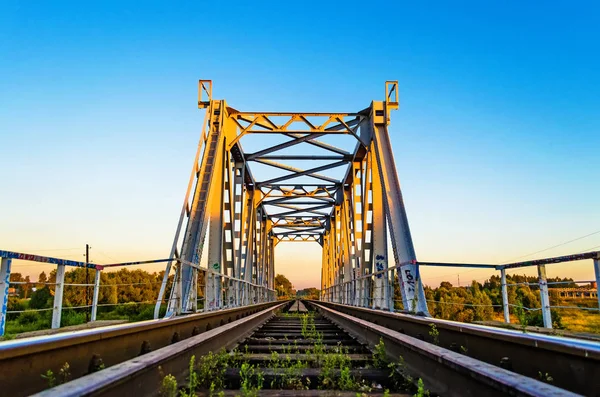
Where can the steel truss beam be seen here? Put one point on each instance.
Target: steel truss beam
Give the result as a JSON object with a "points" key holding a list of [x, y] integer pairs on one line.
{"points": [[236, 221]]}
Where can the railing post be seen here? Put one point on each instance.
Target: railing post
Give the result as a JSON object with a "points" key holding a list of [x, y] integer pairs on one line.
{"points": [[505, 307], [209, 297], [545, 299], [597, 271], [390, 289], [58, 295], [193, 294], [179, 286], [4, 285], [96, 292]]}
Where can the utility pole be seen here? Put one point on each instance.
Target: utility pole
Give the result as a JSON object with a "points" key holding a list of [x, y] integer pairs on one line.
{"points": [[87, 281]]}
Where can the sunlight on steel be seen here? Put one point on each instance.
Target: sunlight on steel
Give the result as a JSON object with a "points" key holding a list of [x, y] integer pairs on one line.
{"points": [[346, 201]]}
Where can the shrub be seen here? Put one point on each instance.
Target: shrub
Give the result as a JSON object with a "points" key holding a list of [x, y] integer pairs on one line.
{"points": [[130, 309], [41, 299], [28, 317], [15, 304], [146, 313], [536, 319], [72, 317]]}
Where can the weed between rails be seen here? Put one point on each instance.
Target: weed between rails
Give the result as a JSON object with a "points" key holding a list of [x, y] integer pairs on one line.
{"points": [[335, 370], [64, 375]]}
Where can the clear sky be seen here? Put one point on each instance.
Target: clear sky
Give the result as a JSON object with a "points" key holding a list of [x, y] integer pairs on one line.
{"points": [[497, 140]]}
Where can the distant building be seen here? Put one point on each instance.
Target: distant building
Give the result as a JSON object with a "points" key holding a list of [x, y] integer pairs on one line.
{"points": [[575, 293], [12, 291]]}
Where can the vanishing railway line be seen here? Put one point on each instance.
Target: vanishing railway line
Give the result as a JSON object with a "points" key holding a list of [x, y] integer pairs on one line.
{"points": [[300, 351], [335, 347]]}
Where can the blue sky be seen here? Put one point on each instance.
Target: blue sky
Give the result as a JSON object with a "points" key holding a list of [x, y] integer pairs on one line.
{"points": [[497, 140]]}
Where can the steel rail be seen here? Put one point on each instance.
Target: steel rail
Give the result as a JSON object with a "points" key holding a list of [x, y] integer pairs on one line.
{"points": [[443, 371], [22, 361], [143, 375], [573, 364]]}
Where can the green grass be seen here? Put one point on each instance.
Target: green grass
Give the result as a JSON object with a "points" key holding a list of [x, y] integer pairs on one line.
{"points": [[31, 320], [581, 320]]}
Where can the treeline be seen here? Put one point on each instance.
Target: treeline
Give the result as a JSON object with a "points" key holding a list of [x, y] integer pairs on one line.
{"points": [[309, 293], [139, 289], [283, 286], [483, 302], [122, 286]]}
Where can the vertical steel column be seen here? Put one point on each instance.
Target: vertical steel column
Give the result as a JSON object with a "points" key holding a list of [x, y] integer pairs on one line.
{"points": [[337, 255], [216, 247], [350, 273], [58, 296], [366, 268], [238, 225], [193, 294], [96, 292], [248, 243], [413, 295], [379, 254], [176, 298], [323, 264], [357, 230], [545, 299], [597, 272], [271, 272], [505, 307], [347, 235], [5, 265], [390, 289], [205, 288]]}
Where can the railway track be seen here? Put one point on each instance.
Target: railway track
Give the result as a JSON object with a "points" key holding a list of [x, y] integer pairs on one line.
{"points": [[573, 364], [23, 361], [303, 351], [268, 352]]}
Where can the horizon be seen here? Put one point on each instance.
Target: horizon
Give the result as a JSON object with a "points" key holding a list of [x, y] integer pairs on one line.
{"points": [[465, 283], [494, 140]]}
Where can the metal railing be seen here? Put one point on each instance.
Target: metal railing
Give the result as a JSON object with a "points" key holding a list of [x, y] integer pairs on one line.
{"points": [[376, 290], [226, 292]]}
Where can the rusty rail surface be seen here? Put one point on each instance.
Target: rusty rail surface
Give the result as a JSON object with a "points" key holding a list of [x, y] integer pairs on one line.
{"points": [[23, 361], [443, 371], [573, 364]]}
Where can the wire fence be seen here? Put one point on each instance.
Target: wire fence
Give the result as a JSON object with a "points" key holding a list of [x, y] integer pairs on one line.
{"points": [[68, 300], [502, 297]]}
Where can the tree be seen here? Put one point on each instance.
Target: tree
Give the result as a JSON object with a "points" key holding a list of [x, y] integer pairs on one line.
{"points": [[41, 299], [309, 293], [26, 288], [284, 287], [42, 278], [446, 284]]}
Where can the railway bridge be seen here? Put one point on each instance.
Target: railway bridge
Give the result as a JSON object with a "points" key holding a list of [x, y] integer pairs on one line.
{"points": [[262, 178]]}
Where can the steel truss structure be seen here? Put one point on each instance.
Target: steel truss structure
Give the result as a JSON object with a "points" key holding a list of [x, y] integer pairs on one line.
{"points": [[355, 217]]}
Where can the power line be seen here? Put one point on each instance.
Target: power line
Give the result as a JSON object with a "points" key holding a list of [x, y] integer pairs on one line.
{"points": [[549, 248], [589, 249], [55, 249], [108, 256], [523, 256]]}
